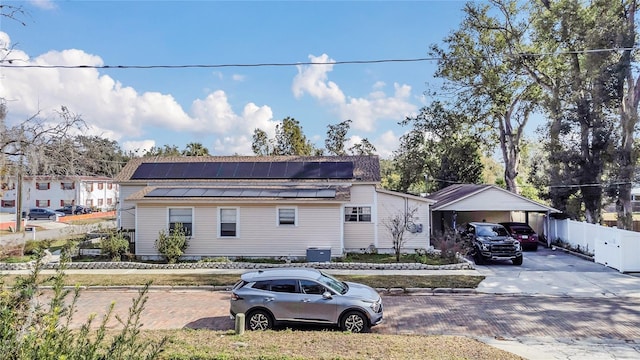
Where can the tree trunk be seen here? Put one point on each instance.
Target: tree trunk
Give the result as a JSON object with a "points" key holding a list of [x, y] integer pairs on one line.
{"points": [[627, 156]]}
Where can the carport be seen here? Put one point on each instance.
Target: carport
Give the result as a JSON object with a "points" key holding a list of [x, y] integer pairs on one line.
{"points": [[461, 203]]}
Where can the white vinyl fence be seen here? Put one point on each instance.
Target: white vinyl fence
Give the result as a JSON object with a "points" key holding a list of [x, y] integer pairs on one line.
{"points": [[619, 249]]}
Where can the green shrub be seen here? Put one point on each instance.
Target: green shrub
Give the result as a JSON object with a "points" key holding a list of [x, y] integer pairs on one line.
{"points": [[33, 247], [29, 330], [172, 244], [115, 246]]}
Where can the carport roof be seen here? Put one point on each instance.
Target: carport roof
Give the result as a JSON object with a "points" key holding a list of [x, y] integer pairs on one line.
{"points": [[472, 197]]}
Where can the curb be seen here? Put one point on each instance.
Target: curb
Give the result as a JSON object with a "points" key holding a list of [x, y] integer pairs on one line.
{"points": [[383, 291]]}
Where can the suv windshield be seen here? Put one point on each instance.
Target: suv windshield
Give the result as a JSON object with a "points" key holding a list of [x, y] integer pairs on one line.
{"points": [[333, 283], [491, 230]]}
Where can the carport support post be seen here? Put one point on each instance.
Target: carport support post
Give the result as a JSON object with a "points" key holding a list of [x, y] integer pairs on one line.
{"points": [[239, 324]]}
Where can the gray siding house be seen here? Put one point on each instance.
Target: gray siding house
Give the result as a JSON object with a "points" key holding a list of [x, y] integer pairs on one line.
{"points": [[245, 206]]}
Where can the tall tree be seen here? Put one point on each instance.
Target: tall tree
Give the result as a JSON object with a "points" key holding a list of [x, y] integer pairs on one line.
{"points": [[581, 88], [166, 150], [337, 139], [443, 145], [25, 147], [627, 156], [261, 144], [487, 82], [364, 147], [195, 149], [289, 140]]}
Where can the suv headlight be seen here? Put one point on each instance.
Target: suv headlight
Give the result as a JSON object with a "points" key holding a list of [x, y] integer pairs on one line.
{"points": [[517, 244], [484, 247], [375, 305]]}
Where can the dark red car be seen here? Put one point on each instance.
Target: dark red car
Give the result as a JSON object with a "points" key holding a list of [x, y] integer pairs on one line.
{"points": [[523, 233]]}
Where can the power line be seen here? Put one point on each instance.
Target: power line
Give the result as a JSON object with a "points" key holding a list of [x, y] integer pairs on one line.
{"points": [[12, 63]]}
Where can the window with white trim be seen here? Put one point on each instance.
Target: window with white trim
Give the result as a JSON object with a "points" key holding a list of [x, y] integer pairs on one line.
{"points": [[8, 203], [42, 185], [357, 214], [43, 203], [67, 185], [228, 222], [183, 216], [287, 216]]}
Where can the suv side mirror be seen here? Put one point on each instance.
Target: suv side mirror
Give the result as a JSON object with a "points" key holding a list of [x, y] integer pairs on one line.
{"points": [[327, 295]]}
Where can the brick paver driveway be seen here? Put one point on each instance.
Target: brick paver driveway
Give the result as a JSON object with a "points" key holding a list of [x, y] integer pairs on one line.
{"points": [[466, 315]]}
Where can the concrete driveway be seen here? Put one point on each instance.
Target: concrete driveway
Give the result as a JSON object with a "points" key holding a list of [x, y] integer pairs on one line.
{"points": [[556, 273]]}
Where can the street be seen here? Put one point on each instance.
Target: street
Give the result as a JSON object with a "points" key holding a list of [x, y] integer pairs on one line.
{"points": [[537, 327]]}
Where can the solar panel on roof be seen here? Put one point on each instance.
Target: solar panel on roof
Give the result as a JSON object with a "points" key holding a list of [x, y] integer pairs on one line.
{"points": [[288, 193], [260, 170], [160, 170], [157, 193], [210, 171], [269, 193], [240, 192], [193, 170], [177, 192], [142, 172], [328, 170], [344, 170], [294, 170], [213, 192], [227, 170], [176, 170], [278, 170], [311, 170], [326, 193], [250, 193], [195, 192], [244, 170], [232, 192]]}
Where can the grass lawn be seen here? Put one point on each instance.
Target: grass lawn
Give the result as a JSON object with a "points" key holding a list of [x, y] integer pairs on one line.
{"points": [[288, 344], [377, 281]]}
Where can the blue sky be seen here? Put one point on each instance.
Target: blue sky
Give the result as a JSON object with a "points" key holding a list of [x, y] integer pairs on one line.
{"points": [[220, 107]]}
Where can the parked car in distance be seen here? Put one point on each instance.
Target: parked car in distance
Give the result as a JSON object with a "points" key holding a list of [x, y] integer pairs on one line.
{"points": [[523, 233], [492, 242], [41, 213], [304, 295], [68, 209]]}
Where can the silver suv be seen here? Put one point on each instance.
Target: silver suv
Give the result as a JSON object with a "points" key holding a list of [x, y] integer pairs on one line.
{"points": [[304, 295]]}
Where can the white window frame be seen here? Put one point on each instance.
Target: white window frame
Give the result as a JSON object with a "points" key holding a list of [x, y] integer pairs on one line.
{"points": [[358, 214], [43, 185], [295, 215], [192, 218], [219, 216]]}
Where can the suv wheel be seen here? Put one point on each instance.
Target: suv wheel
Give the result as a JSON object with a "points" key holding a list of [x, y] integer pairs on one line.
{"points": [[354, 322], [259, 320], [517, 260]]}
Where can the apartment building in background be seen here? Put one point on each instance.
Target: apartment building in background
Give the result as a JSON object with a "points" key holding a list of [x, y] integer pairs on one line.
{"points": [[97, 192]]}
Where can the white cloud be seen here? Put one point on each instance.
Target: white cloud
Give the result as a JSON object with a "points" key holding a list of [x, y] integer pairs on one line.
{"points": [[238, 77], [313, 79], [364, 112], [120, 112], [44, 4], [386, 143], [138, 147]]}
